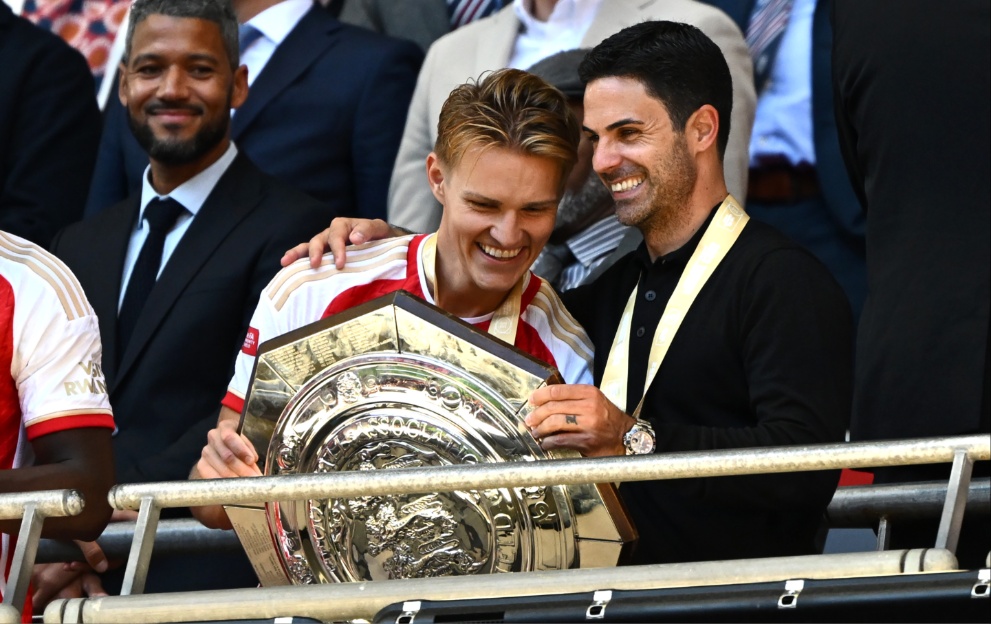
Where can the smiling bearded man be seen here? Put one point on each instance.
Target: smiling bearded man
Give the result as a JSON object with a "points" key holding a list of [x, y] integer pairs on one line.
{"points": [[175, 271], [505, 148], [716, 333]]}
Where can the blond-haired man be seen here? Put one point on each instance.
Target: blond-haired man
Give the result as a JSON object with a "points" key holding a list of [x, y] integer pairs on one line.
{"points": [[505, 147]]}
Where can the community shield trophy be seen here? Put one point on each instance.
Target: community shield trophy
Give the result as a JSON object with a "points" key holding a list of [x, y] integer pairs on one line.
{"points": [[399, 383]]}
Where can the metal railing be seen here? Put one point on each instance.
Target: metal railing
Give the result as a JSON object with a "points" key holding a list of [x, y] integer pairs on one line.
{"points": [[853, 507], [863, 506], [151, 498], [349, 601], [32, 508]]}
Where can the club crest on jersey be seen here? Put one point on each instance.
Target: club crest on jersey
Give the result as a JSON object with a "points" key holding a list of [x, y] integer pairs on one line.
{"points": [[250, 346]]}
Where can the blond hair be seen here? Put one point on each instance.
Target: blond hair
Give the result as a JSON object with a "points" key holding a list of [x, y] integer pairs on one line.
{"points": [[512, 109]]}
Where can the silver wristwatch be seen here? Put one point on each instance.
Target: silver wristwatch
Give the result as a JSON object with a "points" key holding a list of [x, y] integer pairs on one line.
{"points": [[639, 440]]}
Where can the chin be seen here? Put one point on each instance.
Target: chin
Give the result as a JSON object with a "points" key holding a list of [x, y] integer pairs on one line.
{"points": [[496, 285]]}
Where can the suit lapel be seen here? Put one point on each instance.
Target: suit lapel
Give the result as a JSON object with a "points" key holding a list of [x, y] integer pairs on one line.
{"points": [[495, 43], [114, 230], [304, 44], [237, 193], [614, 16]]}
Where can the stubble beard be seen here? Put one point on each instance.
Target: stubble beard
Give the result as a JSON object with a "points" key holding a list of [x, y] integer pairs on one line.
{"points": [[177, 152], [665, 209]]}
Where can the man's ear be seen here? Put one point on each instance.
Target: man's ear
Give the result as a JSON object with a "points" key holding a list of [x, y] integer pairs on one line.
{"points": [[435, 176], [239, 90], [702, 129], [122, 83]]}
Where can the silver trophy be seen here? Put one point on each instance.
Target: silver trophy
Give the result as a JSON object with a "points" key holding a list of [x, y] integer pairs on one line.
{"points": [[398, 383]]}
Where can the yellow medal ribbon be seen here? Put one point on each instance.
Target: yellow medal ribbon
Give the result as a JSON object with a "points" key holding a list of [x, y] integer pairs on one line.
{"points": [[719, 237], [505, 317]]}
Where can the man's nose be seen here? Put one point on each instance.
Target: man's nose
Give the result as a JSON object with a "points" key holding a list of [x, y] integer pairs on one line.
{"points": [[173, 85], [605, 157], [506, 231]]}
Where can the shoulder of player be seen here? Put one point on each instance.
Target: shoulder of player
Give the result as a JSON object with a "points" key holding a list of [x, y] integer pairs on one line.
{"points": [[547, 304], [365, 263], [35, 274]]}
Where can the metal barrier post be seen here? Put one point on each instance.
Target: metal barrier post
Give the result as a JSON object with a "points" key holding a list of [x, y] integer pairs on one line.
{"points": [[32, 508], [956, 500], [27, 547], [136, 572], [883, 533]]}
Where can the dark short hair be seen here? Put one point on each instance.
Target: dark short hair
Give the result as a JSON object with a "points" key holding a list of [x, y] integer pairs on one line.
{"points": [[676, 63], [512, 109], [220, 12], [561, 70]]}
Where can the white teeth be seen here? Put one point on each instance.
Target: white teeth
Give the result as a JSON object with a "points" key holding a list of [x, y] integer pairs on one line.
{"points": [[495, 252], [625, 185]]}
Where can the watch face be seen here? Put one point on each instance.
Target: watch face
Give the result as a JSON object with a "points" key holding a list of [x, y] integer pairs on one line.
{"points": [[641, 442]]}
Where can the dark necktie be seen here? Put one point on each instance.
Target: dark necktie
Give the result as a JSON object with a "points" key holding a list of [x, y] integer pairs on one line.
{"points": [[462, 12], [161, 215], [767, 25], [246, 35]]}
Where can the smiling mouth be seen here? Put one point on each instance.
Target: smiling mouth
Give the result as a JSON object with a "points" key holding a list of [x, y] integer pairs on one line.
{"points": [[173, 110], [500, 254], [626, 184]]}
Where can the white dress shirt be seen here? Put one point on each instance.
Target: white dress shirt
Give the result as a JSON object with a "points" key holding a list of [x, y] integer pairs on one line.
{"points": [[563, 30], [274, 23], [783, 123], [191, 194]]}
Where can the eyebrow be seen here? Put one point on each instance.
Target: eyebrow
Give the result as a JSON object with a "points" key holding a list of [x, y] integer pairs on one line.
{"points": [[624, 122], [629, 121], [472, 195], [478, 197], [151, 56]]}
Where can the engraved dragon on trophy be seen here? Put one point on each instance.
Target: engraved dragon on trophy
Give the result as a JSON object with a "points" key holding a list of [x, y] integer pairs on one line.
{"points": [[419, 536]]}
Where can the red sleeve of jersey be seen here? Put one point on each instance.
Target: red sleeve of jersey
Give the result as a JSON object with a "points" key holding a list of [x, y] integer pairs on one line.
{"points": [[64, 423], [234, 402]]}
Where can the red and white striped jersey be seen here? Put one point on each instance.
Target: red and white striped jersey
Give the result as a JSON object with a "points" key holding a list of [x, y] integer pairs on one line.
{"points": [[50, 374], [299, 295]]}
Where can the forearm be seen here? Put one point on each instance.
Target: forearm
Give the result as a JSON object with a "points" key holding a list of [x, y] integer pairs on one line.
{"points": [[91, 478]]}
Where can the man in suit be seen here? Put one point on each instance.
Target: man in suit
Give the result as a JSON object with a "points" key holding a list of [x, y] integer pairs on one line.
{"points": [[515, 37], [912, 90], [49, 130], [167, 362], [798, 182], [420, 21], [325, 112]]}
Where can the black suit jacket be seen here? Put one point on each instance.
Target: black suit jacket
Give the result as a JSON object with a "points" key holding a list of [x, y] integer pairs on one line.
{"points": [[913, 86], [166, 391], [49, 130], [325, 116]]}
